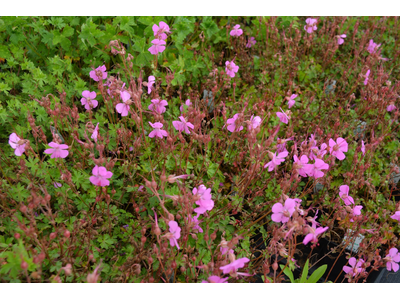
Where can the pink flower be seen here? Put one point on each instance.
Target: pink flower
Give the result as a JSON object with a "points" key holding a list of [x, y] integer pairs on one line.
{"points": [[159, 31], [366, 77], [150, 82], [396, 216], [363, 147], [251, 42], [205, 202], [17, 144], [195, 222], [174, 234], [98, 74], [372, 47], [158, 106], [281, 144], [391, 107], [338, 148], [344, 195], [316, 168], [232, 126], [276, 160], [88, 101], [187, 104], [215, 279], [340, 39], [318, 153], [291, 100], [157, 132], [157, 46], [283, 117], [310, 27], [123, 108], [254, 122], [235, 265], [392, 260], [57, 150], [313, 235], [236, 31], [182, 125], [57, 185], [100, 176], [302, 165], [231, 69], [355, 267], [95, 133], [283, 213], [94, 277], [356, 211]]}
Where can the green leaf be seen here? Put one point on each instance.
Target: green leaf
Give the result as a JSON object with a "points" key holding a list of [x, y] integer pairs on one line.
{"points": [[288, 273], [4, 52], [303, 278], [68, 31], [318, 273]]}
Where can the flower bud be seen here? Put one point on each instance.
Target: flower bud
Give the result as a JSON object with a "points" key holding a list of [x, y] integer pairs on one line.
{"points": [[53, 235], [24, 265], [67, 234], [275, 266], [17, 235]]}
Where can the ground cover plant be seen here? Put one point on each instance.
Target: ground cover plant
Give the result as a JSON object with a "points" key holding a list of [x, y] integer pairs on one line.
{"points": [[198, 149]]}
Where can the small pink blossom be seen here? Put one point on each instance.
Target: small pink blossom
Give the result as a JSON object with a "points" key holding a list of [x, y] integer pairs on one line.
{"points": [[231, 68], [215, 279], [291, 100], [366, 77], [235, 265], [150, 83], [159, 31], [88, 100], [195, 221], [17, 144], [183, 125], [276, 160], [391, 107], [57, 185], [316, 168], [396, 216], [355, 267], [57, 150], [363, 147], [318, 152], [95, 133], [157, 132], [254, 122], [123, 108], [158, 106], [338, 148], [281, 144], [94, 277], [282, 213], [310, 27], [232, 126], [302, 165], [372, 47], [205, 202], [357, 210], [392, 260], [100, 71], [236, 31], [340, 38], [174, 234], [283, 117], [187, 104], [100, 176], [157, 46], [251, 42], [344, 195], [313, 235]]}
